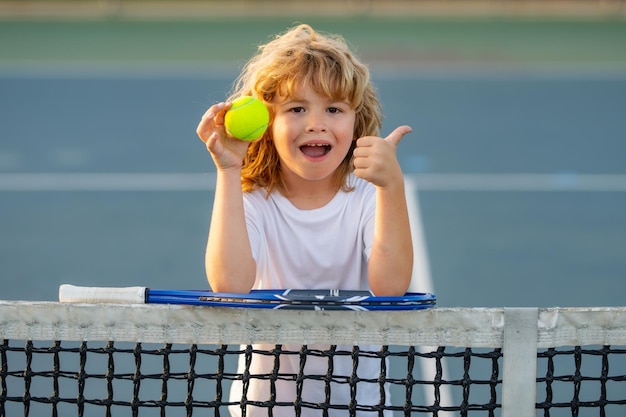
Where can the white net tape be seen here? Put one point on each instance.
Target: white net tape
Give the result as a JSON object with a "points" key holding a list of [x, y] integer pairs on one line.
{"points": [[473, 327]]}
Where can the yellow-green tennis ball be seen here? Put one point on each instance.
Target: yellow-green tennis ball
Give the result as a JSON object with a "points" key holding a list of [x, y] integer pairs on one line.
{"points": [[247, 118]]}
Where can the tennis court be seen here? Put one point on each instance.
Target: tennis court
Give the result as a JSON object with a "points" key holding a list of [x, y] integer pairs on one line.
{"points": [[480, 130], [517, 162]]}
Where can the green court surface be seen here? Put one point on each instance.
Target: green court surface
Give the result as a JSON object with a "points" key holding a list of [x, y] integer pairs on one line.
{"points": [[424, 41]]}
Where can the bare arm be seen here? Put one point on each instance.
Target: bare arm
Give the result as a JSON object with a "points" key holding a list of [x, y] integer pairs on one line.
{"points": [[228, 260], [391, 260]]}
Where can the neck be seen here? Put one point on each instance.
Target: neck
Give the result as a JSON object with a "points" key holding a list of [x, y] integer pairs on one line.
{"points": [[309, 194]]}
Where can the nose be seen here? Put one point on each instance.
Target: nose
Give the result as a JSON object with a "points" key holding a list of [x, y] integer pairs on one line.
{"points": [[315, 122]]}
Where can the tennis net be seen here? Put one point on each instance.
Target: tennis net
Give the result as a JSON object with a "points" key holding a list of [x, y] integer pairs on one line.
{"points": [[157, 360]]}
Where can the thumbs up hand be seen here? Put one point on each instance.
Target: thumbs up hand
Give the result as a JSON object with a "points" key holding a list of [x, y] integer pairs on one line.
{"points": [[375, 158]]}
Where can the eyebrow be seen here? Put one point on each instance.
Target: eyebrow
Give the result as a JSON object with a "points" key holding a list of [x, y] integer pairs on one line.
{"points": [[329, 101]]}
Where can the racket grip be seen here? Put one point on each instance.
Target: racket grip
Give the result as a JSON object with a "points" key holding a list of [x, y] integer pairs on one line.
{"points": [[124, 295]]}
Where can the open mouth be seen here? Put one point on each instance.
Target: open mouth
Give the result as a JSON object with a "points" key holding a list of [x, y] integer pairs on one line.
{"points": [[315, 150]]}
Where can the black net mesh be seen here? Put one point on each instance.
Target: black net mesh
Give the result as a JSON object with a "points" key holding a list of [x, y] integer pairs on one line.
{"points": [[581, 381], [127, 379]]}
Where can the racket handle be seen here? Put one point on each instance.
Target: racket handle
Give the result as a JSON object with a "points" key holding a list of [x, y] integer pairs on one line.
{"points": [[125, 295]]}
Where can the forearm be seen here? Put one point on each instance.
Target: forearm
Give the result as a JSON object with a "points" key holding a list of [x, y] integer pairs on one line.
{"points": [[229, 263], [391, 260]]}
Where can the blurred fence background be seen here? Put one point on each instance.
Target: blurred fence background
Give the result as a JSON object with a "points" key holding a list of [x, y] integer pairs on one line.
{"points": [[203, 8]]}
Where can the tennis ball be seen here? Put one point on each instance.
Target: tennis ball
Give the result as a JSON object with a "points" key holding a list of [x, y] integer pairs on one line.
{"points": [[247, 118]]}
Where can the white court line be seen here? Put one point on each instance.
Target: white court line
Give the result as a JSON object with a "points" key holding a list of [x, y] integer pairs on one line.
{"points": [[421, 281], [521, 182], [101, 182], [206, 181]]}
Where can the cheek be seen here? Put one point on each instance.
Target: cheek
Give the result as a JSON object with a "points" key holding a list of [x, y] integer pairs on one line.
{"points": [[352, 126], [350, 130], [279, 127], [281, 137]]}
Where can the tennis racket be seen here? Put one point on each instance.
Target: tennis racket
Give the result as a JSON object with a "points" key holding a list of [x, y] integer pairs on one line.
{"points": [[268, 299]]}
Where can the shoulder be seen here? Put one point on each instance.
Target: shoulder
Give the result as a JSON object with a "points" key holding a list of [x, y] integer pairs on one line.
{"points": [[361, 198], [258, 194], [256, 202]]}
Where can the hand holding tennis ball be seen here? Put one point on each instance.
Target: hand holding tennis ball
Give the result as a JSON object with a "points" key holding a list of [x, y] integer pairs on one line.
{"points": [[247, 119]]}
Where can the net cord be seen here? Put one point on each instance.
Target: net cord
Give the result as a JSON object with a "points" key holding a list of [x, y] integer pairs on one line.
{"points": [[460, 327]]}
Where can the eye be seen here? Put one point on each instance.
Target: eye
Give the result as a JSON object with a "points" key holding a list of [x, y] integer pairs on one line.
{"points": [[297, 109], [334, 110]]}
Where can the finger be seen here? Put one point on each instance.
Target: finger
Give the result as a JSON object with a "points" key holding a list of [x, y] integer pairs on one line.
{"points": [[397, 135], [212, 141], [359, 163], [209, 114], [212, 118], [214, 110], [204, 127], [359, 152], [220, 112]]}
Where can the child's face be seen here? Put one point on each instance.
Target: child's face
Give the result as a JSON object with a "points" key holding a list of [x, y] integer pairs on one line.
{"points": [[312, 134]]}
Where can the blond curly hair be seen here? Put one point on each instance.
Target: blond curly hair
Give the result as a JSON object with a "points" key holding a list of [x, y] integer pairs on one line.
{"points": [[326, 63]]}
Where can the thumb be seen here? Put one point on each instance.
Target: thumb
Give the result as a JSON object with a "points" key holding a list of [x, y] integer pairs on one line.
{"points": [[398, 133]]}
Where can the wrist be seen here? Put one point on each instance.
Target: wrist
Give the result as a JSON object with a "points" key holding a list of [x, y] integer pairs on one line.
{"points": [[235, 169], [393, 185], [228, 177]]}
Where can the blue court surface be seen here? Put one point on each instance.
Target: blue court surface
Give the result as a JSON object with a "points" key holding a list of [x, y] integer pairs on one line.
{"points": [[520, 181]]}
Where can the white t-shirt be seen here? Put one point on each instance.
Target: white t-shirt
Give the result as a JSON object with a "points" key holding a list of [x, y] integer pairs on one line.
{"points": [[324, 248]]}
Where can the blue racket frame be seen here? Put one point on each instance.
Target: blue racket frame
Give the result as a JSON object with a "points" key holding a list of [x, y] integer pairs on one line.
{"points": [[294, 299]]}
